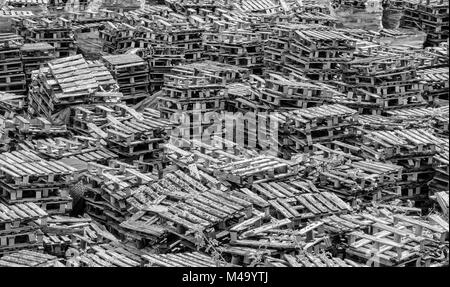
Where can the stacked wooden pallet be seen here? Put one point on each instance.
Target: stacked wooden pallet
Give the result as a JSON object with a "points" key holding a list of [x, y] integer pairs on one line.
{"points": [[436, 118], [397, 240], [316, 52], [365, 180], [54, 31], [35, 56], [178, 32], [441, 178], [435, 84], [12, 77], [321, 124], [11, 104], [136, 137], [117, 37], [161, 60], [35, 128], [191, 93], [132, 75], [283, 93], [56, 86], [242, 48], [65, 234], [383, 83], [413, 149], [81, 148], [195, 208], [430, 16], [107, 191], [20, 227], [28, 178]]}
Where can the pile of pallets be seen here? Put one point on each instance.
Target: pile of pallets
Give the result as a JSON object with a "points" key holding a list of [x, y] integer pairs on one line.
{"points": [[364, 180], [54, 31], [11, 104], [136, 137], [81, 148], [441, 178], [20, 227], [36, 128], [242, 48], [117, 37], [323, 124], [27, 178], [282, 93], [430, 16], [177, 32], [317, 52], [12, 77], [435, 84], [35, 56], [63, 235], [383, 83], [191, 93], [397, 240], [413, 149], [132, 75], [161, 60], [56, 87], [107, 189]]}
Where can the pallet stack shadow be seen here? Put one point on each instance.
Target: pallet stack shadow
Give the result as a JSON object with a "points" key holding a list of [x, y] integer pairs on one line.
{"points": [[430, 16], [132, 75], [29, 178], [69, 81], [54, 31], [12, 76]]}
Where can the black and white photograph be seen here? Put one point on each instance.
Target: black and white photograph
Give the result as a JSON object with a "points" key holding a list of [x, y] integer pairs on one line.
{"points": [[226, 137]]}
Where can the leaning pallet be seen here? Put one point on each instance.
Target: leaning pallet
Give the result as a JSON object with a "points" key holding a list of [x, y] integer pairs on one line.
{"points": [[55, 87]]}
